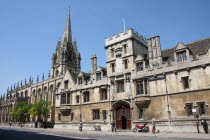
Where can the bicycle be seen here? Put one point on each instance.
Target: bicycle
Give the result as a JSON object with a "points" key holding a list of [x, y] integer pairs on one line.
{"points": [[96, 128]]}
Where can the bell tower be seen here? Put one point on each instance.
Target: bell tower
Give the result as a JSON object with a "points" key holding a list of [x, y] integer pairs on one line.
{"points": [[66, 55]]}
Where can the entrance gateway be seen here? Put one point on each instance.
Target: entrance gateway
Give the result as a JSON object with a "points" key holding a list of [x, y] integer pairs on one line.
{"points": [[122, 114]]}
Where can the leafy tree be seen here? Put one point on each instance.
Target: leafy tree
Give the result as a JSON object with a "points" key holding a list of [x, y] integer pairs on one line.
{"points": [[40, 109], [21, 111]]}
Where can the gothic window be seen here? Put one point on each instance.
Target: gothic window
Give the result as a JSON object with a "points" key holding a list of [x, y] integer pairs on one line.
{"points": [[120, 86], [77, 99], [139, 88], [103, 94], [86, 97], [98, 76], [66, 84], [26, 93], [80, 80], [185, 82], [96, 114], [189, 107], [141, 111], [104, 112], [126, 64], [125, 48], [201, 108], [112, 52], [56, 73], [181, 56], [113, 67], [139, 66], [63, 98]]}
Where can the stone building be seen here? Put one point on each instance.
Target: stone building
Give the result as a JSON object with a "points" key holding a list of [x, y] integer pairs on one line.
{"points": [[140, 84]]}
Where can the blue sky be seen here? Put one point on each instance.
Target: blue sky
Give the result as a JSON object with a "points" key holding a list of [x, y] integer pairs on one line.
{"points": [[29, 29]]}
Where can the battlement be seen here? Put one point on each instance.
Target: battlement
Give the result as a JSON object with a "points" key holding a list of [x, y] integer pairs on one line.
{"points": [[130, 33]]}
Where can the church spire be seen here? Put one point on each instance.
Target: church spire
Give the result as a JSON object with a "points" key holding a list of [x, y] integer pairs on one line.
{"points": [[67, 36]]}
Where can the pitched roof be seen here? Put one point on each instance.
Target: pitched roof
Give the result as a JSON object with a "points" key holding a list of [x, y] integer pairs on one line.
{"points": [[198, 47], [74, 76]]}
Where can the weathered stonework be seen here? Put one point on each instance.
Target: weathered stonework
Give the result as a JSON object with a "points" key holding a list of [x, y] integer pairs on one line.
{"points": [[141, 83]]}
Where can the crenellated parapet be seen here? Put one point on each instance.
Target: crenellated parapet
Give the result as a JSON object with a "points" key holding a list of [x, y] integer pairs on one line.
{"points": [[130, 33]]}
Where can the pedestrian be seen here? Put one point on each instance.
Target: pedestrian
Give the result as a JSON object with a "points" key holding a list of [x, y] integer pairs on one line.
{"points": [[10, 123], [113, 126], [205, 126], [80, 126], [153, 127]]}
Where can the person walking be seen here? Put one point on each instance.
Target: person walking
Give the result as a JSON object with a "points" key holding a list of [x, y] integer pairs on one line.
{"points": [[113, 126], [205, 126], [80, 126], [10, 123]]}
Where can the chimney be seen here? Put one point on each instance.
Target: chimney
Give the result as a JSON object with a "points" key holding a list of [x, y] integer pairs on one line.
{"points": [[93, 63]]}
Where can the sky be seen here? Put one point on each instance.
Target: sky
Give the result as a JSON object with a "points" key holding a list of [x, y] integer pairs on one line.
{"points": [[30, 29]]}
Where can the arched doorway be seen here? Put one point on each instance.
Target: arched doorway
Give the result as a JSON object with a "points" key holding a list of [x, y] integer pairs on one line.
{"points": [[123, 114]]}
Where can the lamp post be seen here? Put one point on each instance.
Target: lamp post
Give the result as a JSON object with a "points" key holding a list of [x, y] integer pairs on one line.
{"points": [[197, 122]]}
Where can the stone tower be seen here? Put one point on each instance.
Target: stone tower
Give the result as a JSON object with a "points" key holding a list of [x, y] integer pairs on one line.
{"points": [[66, 55]]}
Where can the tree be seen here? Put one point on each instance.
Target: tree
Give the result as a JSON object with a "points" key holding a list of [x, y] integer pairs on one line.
{"points": [[21, 111], [40, 109]]}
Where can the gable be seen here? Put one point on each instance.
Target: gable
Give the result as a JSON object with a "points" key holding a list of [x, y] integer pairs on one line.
{"points": [[139, 58], [180, 46], [99, 69], [71, 81]]}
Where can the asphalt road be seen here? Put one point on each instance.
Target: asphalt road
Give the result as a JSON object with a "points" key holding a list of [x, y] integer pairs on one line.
{"points": [[31, 134]]}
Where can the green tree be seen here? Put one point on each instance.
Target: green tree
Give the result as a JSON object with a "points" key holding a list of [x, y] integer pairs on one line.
{"points": [[21, 111], [40, 109]]}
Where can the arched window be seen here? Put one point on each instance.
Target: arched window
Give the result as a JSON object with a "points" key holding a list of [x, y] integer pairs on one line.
{"points": [[26, 93], [34, 92], [46, 93], [21, 94], [58, 85], [56, 73], [40, 93]]}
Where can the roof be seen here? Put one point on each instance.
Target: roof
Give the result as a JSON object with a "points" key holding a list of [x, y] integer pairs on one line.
{"points": [[74, 76], [198, 47]]}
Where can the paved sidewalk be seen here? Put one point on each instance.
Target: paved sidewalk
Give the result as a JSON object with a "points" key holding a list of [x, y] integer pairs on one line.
{"points": [[124, 133]]}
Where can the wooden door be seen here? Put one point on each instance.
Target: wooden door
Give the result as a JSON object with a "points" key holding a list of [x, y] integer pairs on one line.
{"points": [[123, 117]]}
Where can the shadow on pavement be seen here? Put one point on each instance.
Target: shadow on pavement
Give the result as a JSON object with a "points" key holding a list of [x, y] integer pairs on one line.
{"points": [[20, 135]]}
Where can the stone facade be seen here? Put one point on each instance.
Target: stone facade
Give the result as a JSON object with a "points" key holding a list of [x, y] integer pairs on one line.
{"points": [[140, 84]]}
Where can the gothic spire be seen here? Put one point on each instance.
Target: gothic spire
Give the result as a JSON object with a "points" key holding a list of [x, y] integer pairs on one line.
{"points": [[67, 36]]}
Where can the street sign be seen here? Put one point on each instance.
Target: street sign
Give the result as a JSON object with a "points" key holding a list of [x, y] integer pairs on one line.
{"points": [[194, 110]]}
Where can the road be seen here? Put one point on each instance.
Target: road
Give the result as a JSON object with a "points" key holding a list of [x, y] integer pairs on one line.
{"points": [[33, 134]]}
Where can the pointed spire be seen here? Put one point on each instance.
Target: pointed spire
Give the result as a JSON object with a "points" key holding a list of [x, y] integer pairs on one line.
{"points": [[37, 80], [75, 43], [43, 77], [67, 36], [14, 86], [29, 81], [11, 88], [18, 85], [49, 75]]}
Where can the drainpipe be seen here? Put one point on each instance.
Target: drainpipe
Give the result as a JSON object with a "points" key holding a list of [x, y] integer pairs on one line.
{"points": [[168, 109]]}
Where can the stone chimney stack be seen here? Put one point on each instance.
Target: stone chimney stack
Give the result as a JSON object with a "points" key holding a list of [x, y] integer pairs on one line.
{"points": [[93, 63]]}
